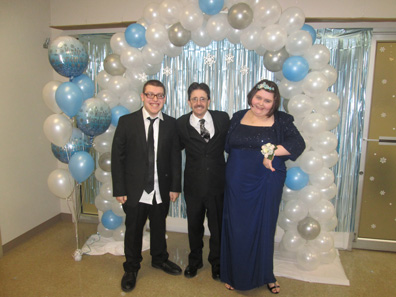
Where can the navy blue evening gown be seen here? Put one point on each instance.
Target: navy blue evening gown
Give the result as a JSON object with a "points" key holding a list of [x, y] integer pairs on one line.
{"points": [[252, 198]]}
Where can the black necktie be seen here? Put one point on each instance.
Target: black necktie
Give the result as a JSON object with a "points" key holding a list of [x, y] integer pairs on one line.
{"points": [[150, 147], [204, 132]]}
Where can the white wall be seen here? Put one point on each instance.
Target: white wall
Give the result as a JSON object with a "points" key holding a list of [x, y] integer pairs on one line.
{"points": [[25, 156]]}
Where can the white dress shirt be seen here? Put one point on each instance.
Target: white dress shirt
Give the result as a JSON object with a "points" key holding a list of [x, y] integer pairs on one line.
{"points": [[194, 121], [147, 198]]}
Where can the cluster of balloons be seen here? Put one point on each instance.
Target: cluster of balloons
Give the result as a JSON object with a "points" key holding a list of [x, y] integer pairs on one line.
{"points": [[81, 121]]}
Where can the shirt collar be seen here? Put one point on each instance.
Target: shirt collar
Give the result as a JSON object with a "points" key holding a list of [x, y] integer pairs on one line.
{"points": [[146, 114], [207, 117]]}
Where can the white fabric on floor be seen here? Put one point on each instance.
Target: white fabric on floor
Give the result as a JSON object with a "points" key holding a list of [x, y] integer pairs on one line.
{"points": [[283, 266]]}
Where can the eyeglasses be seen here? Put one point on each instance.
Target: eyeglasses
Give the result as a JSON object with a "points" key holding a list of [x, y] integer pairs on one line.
{"points": [[196, 99], [159, 96]]}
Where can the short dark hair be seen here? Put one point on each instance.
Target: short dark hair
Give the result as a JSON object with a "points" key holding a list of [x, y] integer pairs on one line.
{"points": [[271, 88], [155, 83], [198, 86]]}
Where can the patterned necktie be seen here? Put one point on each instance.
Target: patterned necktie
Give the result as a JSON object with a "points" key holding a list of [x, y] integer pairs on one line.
{"points": [[150, 147], [204, 132]]}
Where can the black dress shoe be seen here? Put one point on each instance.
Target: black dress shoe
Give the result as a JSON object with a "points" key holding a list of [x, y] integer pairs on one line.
{"points": [[128, 281], [216, 272], [191, 270], [168, 267]]}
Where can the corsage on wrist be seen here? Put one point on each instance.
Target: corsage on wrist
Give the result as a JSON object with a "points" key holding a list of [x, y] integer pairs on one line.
{"points": [[268, 150]]}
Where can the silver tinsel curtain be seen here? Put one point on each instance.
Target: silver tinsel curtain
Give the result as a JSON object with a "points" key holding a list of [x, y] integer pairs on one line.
{"points": [[231, 71]]}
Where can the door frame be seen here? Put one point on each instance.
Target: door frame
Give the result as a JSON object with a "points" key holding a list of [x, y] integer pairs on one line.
{"points": [[359, 242]]}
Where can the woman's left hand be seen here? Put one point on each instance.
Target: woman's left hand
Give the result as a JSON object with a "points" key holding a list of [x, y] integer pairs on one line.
{"points": [[268, 164]]}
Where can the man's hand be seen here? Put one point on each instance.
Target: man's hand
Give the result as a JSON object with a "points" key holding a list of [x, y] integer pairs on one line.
{"points": [[173, 196], [121, 199]]}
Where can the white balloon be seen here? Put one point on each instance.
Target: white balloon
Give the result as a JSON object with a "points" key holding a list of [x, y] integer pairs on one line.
{"points": [[322, 210], [119, 233], [310, 162], [102, 203], [322, 178], [109, 97], [330, 73], [250, 37], [328, 257], [103, 79], [324, 242], [116, 207], [260, 50], [288, 88], [234, 36], [289, 194], [292, 19], [324, 142], [200, 36], [49, 91], [313, 124], [104, 232], [292, 241], [61, 183], [217, 27], [169, 11], [273, 37], [330, 159], [151, 13], [285, 223], [102, 143], [298, 43], [134, 78], [142, 21], [102, 176], [332, 121], [152, 55], [266, 12], [131, 100], [171, 50], [191, 17], [326, 103], [295, 210], [131, 58], [329, 192], [300, 106], [317, 56], [118, 43], [310, 195], [329, 224], [58, 129], [156, 35], [106, 191], [118, 85], [314, 83], [308, 258]]}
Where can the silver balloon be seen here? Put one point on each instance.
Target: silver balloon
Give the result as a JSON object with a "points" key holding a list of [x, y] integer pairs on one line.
{"points": [[273, 60], [308, 228], [113, 66], [105, 161], [178, 35], [240, 16]]}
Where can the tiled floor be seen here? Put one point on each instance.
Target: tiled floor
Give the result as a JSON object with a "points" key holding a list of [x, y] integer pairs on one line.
{"points": [[44, 266]]}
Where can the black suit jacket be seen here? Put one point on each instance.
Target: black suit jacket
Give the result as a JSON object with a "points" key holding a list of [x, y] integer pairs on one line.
{"points": [[204, 172], [129, 158]]}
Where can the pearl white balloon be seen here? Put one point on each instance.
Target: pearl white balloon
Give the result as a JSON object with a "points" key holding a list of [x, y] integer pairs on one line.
{"points": [[317, 56], [169, 11], [116, 207], [292, 19], [324, 242], [285, 223], [329, 224], [142, 21], [273, 37], [156, 35], [106, 191], [234, 36], [58, 129], [328, 257], [330, 192], [298, 43], [310, 195], [330, 159], [49, 91], [260, 50], [310, 162], [314, 83], [61, 183], [330, 73], [313, 124], [324, 142], [102, 176], [292, 241], [151, 13], [102, 143], [113, 65], [322, 178], [295, 210], [118, 43], [326, 103], [191, 17], [103, 79], [289, 194], [322, 210], [132, 58], [308, 258], [218, 27], [250, 37], [134, 78], [300, 106], [104, 232], [131, 100], [119, 233], [103, 204], [332, 121], [109, 97], [288, 88], [266, 12], [200, 36], [118, 85]]}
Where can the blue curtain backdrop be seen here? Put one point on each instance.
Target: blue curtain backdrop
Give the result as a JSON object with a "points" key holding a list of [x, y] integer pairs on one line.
{"points": [[231, 71]]}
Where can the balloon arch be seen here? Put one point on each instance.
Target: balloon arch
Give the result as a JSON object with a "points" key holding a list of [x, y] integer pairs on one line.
{"points": [[82, 120]]}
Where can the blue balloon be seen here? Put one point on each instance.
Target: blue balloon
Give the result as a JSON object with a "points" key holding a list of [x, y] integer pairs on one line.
{"points": [[69, 98], [135, 35], [117, 112], [311, 31], [295, 68], [81, 166], [86, 85], [110, 220], [78, 142], [296, 179], [211, 7], [67, 56], [94, 117]]}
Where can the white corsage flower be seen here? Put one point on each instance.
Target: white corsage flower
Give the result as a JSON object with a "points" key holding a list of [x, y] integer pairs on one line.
{"points": [[268, 150]]}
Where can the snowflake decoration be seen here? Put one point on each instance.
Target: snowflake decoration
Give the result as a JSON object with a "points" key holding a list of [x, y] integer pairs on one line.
{"points": [[384, 81], [229, 58], [382, 49], [142, 77], [373, 226], [244, 70], [372, 178], [167, 71], [209, 60], [382, 193], [383, 115], [383, 160]]}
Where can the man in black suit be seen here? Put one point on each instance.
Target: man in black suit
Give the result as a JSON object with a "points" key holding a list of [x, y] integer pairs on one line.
{"points": [[202, 134], [146, 173]]}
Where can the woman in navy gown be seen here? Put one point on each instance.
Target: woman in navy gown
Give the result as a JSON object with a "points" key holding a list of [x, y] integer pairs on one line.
{"points": [[254, 185]]}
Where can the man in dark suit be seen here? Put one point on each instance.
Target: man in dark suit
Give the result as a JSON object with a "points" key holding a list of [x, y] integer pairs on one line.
{"points": [[146, 173], [202, 134]]}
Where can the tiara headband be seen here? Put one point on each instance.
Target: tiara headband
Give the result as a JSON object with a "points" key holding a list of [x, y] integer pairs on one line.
{"points": [[265, 87]]}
